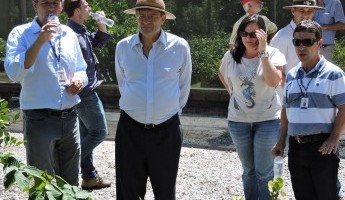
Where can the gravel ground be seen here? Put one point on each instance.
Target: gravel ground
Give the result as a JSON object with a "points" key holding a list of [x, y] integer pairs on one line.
{"points": [[207, 173]]}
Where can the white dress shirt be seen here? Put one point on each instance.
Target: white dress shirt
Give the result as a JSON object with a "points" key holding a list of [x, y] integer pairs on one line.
{"points": [[282, 40], [153, 88]]}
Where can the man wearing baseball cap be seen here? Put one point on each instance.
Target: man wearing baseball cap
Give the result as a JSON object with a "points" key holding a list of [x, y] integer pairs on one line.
{"points": [[153, 70], [252, 7]]}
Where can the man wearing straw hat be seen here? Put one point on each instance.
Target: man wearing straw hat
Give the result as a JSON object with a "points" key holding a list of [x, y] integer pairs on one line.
{"points": [[153, 70], [300, 10]]}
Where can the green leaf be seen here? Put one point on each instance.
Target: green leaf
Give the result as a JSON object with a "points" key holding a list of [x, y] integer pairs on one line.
{"points": [[52, 193], [82, 194], [22, 181], [34, 172], [9, 179], [37, 195], [60, 181], [68, 197]]}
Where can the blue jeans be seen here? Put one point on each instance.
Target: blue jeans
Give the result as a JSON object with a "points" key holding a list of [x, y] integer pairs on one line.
{"points": [[93, 130], [53, 143], [253, 142]]}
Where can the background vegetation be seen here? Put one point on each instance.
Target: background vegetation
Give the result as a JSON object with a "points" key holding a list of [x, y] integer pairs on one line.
{"points": [[205, 24]]}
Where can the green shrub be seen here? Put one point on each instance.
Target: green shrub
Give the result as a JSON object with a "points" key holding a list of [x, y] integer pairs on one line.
{"points": [[339, 53], [207, 53], [2, 49]]}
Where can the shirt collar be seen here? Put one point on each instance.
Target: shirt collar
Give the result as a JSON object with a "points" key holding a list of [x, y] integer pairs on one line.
{"points": [[78, 28], [293, 25], [318, 68], [162, 39], [35, 27]]}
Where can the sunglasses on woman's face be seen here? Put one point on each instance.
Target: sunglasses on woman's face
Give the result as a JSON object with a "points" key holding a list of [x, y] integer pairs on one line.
{"points": [[305, 42], [246, 34]]}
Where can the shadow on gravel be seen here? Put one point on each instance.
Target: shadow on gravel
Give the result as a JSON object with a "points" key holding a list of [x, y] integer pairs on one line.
{"points": [[220, 142]]}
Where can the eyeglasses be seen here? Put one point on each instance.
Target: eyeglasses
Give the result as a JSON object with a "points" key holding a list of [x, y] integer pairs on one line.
{"points": [[48, 4], [147, 17], [246, 34], [305, 42]]}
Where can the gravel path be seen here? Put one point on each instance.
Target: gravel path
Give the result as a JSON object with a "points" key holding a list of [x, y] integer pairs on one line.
{"points": [[204, 174]]}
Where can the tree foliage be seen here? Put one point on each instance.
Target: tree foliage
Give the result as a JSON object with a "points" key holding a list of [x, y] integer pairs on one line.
{"points": [[205, 24]]}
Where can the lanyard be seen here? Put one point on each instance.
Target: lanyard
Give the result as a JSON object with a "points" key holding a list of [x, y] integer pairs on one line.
{"points": [[57, 56], [301, 85]]}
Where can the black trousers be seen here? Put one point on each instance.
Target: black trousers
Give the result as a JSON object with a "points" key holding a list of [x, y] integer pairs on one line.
{"points": [[313, 175], [141, 153]]}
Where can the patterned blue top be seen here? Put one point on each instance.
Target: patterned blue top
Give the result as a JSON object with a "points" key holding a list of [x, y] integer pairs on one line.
{"points": [[333, 13], [323, 86]]}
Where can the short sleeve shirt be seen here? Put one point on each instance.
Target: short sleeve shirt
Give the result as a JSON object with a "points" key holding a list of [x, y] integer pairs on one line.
{"points": [[251, 100]]}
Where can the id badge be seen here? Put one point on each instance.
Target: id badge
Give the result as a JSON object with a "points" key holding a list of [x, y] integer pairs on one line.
{"points": [[304, 103], [62, 77]]}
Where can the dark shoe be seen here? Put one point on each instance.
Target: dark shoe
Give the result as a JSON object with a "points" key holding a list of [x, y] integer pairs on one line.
{"points": [[95, 183]]}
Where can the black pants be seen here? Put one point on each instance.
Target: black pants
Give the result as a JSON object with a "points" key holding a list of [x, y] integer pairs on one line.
{"points": [[313, 175], [141, 153]]}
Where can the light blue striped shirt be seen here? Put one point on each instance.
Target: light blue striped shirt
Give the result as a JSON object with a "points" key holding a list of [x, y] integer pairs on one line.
{"points": [[153, 89], [332, 14], [40, 84], [324, 87]]}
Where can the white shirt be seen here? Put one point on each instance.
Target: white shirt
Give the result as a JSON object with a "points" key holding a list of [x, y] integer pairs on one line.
{"points": [[283, 41], [153, 89], [251, 99], [40, 83]]}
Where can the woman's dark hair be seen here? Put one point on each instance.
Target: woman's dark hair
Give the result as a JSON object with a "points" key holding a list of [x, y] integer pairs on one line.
{"points": [[70, 5], [239, 49], [310, 27]]}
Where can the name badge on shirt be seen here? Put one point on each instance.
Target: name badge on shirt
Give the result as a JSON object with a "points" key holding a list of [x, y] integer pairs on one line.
{"points": [[62, 77], [304, 103]]}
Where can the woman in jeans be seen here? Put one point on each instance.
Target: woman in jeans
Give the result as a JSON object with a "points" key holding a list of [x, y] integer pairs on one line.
{"points": [[250, 73]]}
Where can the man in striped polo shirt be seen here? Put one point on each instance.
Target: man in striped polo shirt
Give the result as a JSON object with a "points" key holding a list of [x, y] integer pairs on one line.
{"points": [[313, 116]]}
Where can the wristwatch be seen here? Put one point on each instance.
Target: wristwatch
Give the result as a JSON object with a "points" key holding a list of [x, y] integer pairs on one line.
{"points": [[264, 54]]}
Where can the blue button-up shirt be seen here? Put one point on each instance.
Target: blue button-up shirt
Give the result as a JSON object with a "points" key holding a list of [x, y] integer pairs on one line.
{"points": [[89, 40], [153, 88], [333, 13], [40, 83]]}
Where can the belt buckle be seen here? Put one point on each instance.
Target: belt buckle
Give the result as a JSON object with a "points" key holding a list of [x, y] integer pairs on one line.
{"points": [[149, 126], [64, 114], [297, 137]]}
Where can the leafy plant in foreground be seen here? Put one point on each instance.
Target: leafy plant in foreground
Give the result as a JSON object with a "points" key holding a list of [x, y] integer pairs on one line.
{"points": [[38, 184], [275, 188]]}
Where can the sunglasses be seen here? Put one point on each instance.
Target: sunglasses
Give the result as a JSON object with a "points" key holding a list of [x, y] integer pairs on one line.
{"points": [[305, 42], [246, 34]]}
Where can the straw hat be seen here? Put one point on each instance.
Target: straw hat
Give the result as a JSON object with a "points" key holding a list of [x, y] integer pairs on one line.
{"points": [[150, 4], [304, 4]]}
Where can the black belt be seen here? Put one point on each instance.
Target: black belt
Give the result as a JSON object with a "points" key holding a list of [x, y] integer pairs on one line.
{"points": [[310, 138], [57, 113], [326, 45], [151, 126]]}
